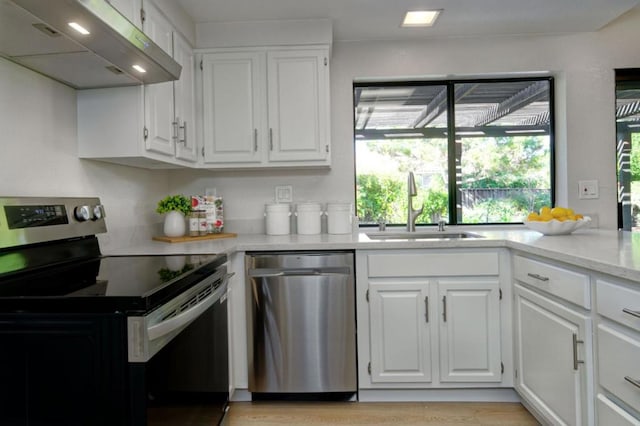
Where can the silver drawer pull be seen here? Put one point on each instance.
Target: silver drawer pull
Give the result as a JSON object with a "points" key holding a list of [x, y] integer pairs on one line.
{"points": [[634, 382], [632, 313], [537, 277], [576, 361]]}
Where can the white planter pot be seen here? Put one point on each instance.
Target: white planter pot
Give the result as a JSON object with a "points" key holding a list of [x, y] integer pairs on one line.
{"points": [[174, 224]]}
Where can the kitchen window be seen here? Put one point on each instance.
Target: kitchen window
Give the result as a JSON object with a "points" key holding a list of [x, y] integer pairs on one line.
{"points": [[628, 147], [481, 150]]}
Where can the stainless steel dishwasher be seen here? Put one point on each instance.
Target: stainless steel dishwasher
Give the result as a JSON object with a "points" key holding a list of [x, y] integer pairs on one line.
{"points": [[302, 335]]}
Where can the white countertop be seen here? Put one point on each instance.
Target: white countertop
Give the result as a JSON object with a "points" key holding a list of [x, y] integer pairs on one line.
{"points": [[611, 252]]}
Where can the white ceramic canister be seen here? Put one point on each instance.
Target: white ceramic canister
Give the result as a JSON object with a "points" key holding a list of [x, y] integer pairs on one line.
{"points": [[309, 218], [277, 219], [339, 218]]}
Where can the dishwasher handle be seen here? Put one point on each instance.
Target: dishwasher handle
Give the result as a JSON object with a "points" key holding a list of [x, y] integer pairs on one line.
{"points": [[297, 272]]}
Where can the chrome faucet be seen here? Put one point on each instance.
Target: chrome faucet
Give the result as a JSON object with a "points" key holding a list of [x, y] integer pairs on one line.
{"points": [[412, 214]]}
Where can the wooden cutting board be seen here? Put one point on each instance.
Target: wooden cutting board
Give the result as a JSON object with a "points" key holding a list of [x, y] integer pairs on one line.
{"points": [[187, 238]]}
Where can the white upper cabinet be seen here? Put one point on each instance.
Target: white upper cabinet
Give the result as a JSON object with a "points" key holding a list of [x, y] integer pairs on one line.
{"points": [[234, 107], [266, 108], [298, 105], [130, 9], [184, 106], [152, 126]]}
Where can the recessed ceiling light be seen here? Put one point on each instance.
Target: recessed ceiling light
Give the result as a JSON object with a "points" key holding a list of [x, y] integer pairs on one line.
{"points": [[420, 18], [79, 28], [138, 68]]}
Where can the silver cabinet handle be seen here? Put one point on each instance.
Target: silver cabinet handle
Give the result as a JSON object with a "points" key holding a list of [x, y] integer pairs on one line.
{"points": [[184, 133], [426, 309], [632, 313], [255, 140], [444, 308], [634, 382], [576, 361], [271, 139], [537, 277], [174, 129]]}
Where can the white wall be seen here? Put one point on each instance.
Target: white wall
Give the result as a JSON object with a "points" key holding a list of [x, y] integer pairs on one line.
{"points": [[38, 157], [583, 65]]}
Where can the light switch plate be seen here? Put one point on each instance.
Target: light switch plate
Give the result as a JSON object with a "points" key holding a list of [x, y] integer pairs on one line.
{"points": [[588, 189], [284, 194]]}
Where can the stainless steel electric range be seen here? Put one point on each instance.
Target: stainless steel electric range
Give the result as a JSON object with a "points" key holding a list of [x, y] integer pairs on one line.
{"points": [[87, 339]]}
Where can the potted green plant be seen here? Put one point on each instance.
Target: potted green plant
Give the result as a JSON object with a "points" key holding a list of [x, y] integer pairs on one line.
{"points": [[175, 208]]}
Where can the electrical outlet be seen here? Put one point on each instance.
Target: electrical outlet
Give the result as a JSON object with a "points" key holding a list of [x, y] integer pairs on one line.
{"points": [[588, 189], [284, 194]]}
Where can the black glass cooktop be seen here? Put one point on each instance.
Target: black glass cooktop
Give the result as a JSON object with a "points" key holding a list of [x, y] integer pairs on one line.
{"points": [[129, 284]]}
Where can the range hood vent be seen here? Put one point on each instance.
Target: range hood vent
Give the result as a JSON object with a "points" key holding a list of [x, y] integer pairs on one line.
{"points": [[37, 35]]}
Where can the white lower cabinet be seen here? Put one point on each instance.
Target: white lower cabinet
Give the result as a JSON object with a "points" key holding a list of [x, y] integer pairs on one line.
{"points": [[469, 337], [425, 325], [618, 352], [553, 358], [400, 331]]}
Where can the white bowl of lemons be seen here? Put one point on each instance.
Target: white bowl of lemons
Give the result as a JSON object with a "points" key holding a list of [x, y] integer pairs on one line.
{"points": [[556, 221]]}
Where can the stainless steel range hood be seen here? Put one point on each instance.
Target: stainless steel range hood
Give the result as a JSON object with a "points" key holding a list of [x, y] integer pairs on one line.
{"points": [[37, 35]]}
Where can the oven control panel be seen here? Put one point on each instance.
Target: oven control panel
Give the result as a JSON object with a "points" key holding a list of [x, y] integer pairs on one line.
{"points": [[28, 220]]}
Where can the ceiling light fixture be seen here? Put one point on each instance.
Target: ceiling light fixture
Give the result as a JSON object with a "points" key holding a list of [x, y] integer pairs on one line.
{"points": [[420, 18], [138, 68], [79, 28]]}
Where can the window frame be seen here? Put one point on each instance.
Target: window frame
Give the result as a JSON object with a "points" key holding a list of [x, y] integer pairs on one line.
{"points": [[454, 192]]}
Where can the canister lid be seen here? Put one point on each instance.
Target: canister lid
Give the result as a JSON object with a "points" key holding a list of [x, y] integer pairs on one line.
{"points": [[308, 207], [339, 207], [281, 207]]}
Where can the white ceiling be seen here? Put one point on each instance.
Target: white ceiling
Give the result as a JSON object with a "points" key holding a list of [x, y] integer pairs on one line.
{"points": [[380, 19]]}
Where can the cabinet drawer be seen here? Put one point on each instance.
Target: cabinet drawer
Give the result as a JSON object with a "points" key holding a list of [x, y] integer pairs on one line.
{"points": [[416, 264], [618, 356], [621, 304], [610, 414], [569, 285]]}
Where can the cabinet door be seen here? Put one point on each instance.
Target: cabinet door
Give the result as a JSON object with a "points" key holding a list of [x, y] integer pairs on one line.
{"points": [[158, 97], [63, 370], [549, 350], [130, 9], [184, 102], [400, 331], [298, 91], [234, 107], [469, 330]]}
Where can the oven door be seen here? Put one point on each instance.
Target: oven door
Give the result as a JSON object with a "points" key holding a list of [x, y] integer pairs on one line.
{"points": [[184, 379]]}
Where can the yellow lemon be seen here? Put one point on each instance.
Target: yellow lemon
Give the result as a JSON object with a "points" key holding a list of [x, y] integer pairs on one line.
{"points": [[533, 216], [558, 212], [545, 217], [545, 210]]}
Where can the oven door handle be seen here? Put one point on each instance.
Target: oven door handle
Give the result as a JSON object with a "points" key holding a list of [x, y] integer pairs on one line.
{"points": [[185, 318]]}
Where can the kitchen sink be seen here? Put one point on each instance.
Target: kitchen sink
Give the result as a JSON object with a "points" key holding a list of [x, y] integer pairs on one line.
{"points": [[427, 235]]}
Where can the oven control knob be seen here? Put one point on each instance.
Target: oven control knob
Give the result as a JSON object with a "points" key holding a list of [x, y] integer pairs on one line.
{"points": [[82, 213], [98, 212]]}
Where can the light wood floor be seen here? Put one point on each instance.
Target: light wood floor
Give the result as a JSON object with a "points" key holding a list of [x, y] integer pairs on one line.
{"points": [[371, 414]]}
